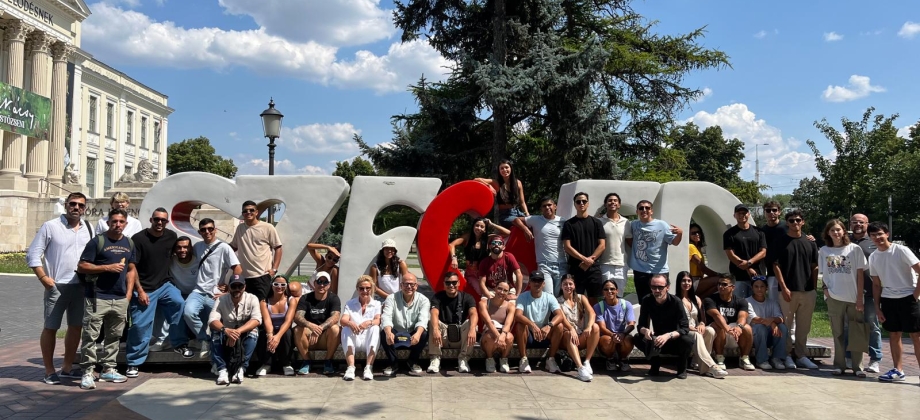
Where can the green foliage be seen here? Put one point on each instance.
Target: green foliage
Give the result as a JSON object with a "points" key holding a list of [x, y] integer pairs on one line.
{"points": [[14, 263], [197, 155]]}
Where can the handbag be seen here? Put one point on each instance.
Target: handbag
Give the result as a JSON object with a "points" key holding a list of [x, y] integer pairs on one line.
{"points": [[453, 333], [566, 364]]}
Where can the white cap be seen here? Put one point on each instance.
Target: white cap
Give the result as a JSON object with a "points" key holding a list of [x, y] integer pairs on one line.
{"points": [[389, 243], [322, 274]]}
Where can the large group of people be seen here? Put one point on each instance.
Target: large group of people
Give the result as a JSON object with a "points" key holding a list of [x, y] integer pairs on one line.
{"points": [[226, 300]]}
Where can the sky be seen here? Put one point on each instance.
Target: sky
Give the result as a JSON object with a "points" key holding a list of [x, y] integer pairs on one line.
{"points": [[337, 68]]}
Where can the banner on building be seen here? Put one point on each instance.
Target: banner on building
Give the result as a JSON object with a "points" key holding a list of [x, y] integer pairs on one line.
{"points": [[24, 112]]}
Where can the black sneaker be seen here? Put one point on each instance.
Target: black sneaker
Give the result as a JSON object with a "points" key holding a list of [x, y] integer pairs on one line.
{"points": [[75, 373], [132, 372], [682, 375], [185, 351], [52, 379]]}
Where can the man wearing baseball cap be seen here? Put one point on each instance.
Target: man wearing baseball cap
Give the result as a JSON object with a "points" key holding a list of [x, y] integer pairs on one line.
{"points": [[745, 246], [234, 321], [317, 319]]}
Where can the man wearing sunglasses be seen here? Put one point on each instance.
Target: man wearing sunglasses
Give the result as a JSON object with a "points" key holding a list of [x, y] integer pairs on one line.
{"points": [[664, 327], [235, 318], [317, 320], [215, 259], [499, 267], [259, 249], [795, 264], [584, 241], [156, 299], [454, 320], [745, 246], [613, 260], [730, 318], [537, 322], [59, 242], [772, 230], [648, 239]]}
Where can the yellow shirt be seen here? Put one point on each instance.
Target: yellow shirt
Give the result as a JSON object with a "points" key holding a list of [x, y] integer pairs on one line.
{"points": [[696, 270]]}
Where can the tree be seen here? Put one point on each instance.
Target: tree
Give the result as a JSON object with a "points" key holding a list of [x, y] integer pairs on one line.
{"points": [[197, 155], [586, 82]]}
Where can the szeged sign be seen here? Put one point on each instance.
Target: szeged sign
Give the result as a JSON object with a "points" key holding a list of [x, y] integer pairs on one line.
{"points": [[312, 201]]}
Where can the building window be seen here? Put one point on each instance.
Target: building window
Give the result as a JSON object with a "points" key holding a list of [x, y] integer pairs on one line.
{"points": [[91, 176], [144, 132], [109, 120], [130, 127], [93, 103], [127, 170], [156, 136], [107, 175]]}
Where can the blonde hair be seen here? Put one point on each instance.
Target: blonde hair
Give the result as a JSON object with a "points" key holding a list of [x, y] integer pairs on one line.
{"points": [[120, 197], [367, 279]]}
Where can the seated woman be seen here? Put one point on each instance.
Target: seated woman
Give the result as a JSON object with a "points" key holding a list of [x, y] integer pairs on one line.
{"points": [[327, 262], [703, 334], [387, 269], [361, 328], [704, 278], [275, 346], [497, 315], [580, 330], [509, 194], [475, 244], [616, 320]]}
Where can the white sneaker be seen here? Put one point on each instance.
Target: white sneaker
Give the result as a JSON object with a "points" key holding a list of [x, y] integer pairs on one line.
{"points": [[778, 364], [389, 371], [873, 367], [238, 378], [587, 364], [746, 364], [263, 370], [765, 366], [205, 350], [524, 366], [551, 365], [222, 377], [720, 361], [490, 365], [435, 365], [464, 366], [416, 369], [804, 362], [368, 373], [503, 365], [288, 371], [716, 372], [789, 363], [349, 373], [583, 374]]}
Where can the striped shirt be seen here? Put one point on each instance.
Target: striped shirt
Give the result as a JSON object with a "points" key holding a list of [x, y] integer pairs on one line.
{"points": [[61, 248]]}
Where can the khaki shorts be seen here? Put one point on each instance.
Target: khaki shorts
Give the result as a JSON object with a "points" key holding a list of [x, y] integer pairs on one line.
{"points": [[60, 299]]}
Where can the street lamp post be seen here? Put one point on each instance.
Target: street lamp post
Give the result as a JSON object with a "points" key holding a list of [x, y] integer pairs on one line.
{"points": [[271, 126]]}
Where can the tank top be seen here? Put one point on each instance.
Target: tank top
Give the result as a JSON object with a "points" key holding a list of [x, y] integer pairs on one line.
{"points": [[475, 255], [389, 283], [572, 314], [277, 319], [499, 315], [693, 315]]}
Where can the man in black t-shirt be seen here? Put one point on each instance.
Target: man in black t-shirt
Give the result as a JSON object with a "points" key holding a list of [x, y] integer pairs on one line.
{"points": [[729, 315], [795, 264], [317, 320], [663, 325], [584, 241], [450, 309], [771, 230], [154, 292], [745, 246]]}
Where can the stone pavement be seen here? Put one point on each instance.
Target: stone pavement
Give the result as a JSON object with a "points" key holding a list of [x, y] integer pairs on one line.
{"points": [[21, 302]]}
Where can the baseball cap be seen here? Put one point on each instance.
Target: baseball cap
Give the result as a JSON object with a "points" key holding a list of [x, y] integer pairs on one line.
{"points": [[320, 275], [537, 276], [389, 243], [403, 340], [741, 207], [237, 280]]}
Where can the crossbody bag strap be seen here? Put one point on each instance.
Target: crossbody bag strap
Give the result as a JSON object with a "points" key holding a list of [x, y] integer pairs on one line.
{"points": [[207, 254]]}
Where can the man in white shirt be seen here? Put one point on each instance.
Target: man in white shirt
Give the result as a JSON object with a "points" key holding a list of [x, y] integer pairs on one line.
{"points": [[60, 242], [547, 230], [613, 260], [895, 290], [120, 201]]}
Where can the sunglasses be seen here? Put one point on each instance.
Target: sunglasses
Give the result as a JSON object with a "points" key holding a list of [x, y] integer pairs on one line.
{"points": [[237, 286], [581, 202], [771, 210], [247, 211], [159, 220], [644, 208], [610, 289], [497, 242], [726, 285], [76, 204], [451, 283], [279, 284], [365, 289], [206, 229], [658, 287], [795, 220], [410, 285], [323, 282]]}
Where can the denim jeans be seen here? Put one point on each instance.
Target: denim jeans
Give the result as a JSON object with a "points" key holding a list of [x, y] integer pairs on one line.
{"points": [[197, 309], [217, 349], [875, 331], [764, 339], [166, 300], [552, 274]]}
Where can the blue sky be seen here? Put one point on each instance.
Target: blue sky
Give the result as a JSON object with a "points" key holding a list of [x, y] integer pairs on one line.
{"points": [[336, 67]]}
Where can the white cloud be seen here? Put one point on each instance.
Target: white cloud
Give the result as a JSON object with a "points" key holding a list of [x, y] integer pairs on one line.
{"points": [[857, 87], [832, 36], [905, 131], [909, 30], [332, 22], [320, 138], [761, 35], [253, 166], [124, 36], [706, 92]]}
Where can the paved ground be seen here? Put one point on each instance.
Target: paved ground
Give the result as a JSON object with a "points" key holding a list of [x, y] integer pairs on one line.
{"points": [[179, 392]]}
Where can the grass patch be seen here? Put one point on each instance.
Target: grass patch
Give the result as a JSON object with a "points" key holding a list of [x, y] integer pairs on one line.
{"points": [[15, 263]]}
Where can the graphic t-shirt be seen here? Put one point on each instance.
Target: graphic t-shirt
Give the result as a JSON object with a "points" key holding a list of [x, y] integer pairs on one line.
{"points": [[452, 310], [615, 317], [153, 254], [546, 236], [498, 270], [745, 243], [729, 309], [649, 246], [839, 267], [109, 285], [583, 233], [539, 310], [893, 268], [318, 311]]}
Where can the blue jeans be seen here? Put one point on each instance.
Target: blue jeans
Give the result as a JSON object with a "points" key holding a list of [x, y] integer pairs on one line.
{"points": [[875, 331], [764, 339], [217, 349], [552, 275], [506, 217], [166, 300], [197, 309]]}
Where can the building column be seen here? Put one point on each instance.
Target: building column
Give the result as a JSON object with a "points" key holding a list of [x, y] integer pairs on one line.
{"points": [[60, 53], [10, 167], [37, 149], [164, 125]]}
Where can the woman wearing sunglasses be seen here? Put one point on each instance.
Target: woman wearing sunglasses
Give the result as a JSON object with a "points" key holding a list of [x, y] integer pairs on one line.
{"points": [[388, 269], [497, 315], [327, 262], [361, 328], [275, 346], [705, 280]]}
